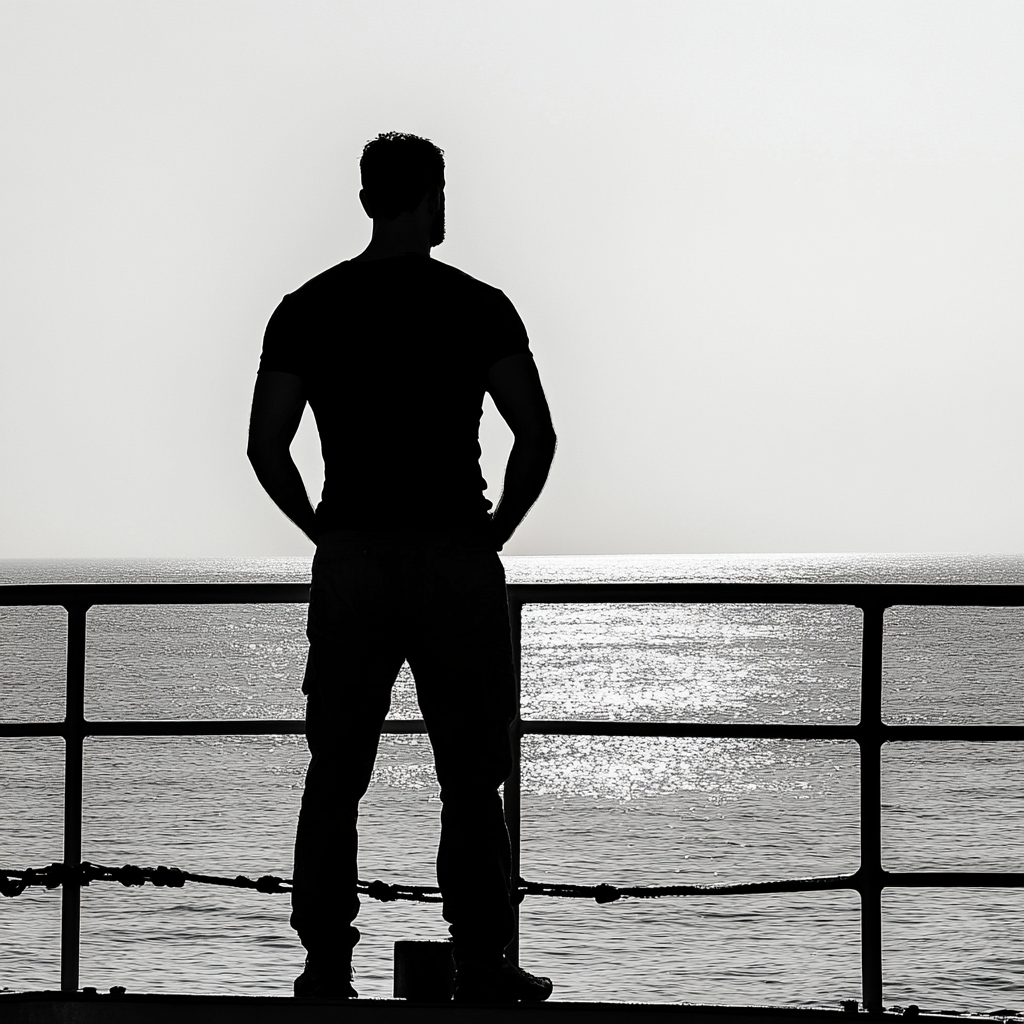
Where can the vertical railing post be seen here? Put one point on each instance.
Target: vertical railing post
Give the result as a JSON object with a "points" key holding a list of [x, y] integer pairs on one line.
{"points": [[74, 735], [513, 784], [870, 740]]}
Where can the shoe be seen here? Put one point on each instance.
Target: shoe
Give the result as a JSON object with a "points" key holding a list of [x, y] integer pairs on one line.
{"points": [[498, 983], [330, 979]]}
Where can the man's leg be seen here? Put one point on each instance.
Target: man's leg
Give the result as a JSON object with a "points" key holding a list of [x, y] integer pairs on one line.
{"points": [[354, 659], [461, 657], [462, 660]]}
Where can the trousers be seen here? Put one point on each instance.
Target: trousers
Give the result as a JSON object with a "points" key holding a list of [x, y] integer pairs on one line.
{"points": [[439, 603]]}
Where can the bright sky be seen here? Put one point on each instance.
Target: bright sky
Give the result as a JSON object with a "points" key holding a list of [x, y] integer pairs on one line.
{"points": [[769, 255]]}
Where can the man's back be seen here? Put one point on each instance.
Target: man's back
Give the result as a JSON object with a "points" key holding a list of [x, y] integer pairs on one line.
{"points": [[394, 355]]}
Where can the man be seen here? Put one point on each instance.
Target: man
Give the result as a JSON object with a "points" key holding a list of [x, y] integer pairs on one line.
{"points": [[394, 352]]}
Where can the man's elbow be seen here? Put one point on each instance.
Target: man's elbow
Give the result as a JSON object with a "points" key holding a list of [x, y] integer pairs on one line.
{"points": [[254, 455], [262, 456], [541, 441], [550, 442]]}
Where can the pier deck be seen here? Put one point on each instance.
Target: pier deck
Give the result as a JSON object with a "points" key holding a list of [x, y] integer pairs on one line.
{"points": [[65, 1008]]}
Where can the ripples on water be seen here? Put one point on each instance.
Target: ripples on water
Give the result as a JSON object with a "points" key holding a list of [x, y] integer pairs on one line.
{"points": [[595, 809]]}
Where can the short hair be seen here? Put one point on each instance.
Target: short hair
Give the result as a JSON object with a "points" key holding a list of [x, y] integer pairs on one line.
{"points": [[397, 170]]}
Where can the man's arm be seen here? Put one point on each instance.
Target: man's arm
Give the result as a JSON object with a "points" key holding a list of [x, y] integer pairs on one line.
{"points": [[277, 404], [515, 386]]}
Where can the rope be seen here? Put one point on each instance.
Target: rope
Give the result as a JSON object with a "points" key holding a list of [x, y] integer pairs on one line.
{"points": [[14, 883], [611, 893]]}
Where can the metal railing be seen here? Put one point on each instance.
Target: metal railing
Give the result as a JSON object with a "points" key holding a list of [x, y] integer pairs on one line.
{"points": [[870, 733]]}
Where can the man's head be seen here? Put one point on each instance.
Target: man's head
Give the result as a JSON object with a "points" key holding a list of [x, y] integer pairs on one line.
{"points": [[398, 172]]}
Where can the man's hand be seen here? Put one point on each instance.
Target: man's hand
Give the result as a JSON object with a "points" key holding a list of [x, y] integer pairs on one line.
{"points": [[515, 386], [277, 405]]}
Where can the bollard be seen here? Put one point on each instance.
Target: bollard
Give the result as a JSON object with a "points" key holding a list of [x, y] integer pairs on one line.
{"points": [[424, 971]]}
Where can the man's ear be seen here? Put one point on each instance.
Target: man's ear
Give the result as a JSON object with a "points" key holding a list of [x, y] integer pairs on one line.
{"points": [[433, 198], [365, 202]]}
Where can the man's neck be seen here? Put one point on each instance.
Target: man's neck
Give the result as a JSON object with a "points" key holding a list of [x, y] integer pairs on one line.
{"points": [[405, 234]]}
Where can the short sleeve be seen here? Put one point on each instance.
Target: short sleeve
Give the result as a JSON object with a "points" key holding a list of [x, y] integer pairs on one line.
{"points": [[506, 334], [283, 341]]}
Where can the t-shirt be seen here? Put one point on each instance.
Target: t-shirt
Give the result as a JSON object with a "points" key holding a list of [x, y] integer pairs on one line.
{"points": [[394, 355]]}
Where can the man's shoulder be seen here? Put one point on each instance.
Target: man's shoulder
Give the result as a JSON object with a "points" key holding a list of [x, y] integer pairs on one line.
{"points": [[326, 281], [458, 276], [460, 280]]}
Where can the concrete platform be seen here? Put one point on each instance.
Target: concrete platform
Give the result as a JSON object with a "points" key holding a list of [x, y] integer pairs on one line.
{"points": [[58, 1008]]}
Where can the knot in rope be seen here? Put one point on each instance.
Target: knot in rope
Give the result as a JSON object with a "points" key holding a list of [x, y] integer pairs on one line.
{"points": [[379, 890], [14, 883], [131, 874], [605, 893], [173, 878], [12, 886], [268, 883]]}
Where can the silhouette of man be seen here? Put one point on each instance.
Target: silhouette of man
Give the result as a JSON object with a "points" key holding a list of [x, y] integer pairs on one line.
{"points": [[394, 352]]}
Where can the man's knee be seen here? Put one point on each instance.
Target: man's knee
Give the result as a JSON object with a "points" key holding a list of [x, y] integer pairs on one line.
{"points": [[470, 802]]}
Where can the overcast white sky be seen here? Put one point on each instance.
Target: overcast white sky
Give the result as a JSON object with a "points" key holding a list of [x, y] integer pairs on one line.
{"points": [[769, 255]]}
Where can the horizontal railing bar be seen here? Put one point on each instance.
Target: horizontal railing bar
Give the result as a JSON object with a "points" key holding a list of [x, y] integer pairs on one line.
{"points": [[226, 727], [32, 729], [223, 727], [954, 879], [153, 593], [859, 594], [945, 733], [536, 726], [729, 730], [769, 730]]}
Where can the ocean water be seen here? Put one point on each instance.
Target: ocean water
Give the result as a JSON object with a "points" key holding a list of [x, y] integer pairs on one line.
{"points": [[595, 809]]}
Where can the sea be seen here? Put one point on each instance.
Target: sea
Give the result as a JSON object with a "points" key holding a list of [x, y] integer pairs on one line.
{"points": [[626, 811]]}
